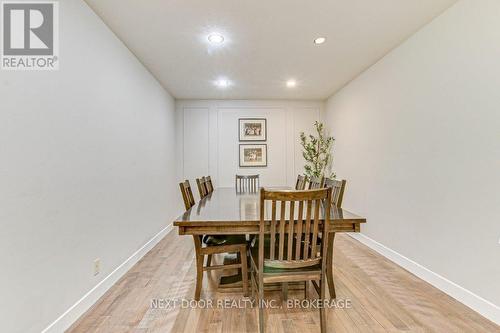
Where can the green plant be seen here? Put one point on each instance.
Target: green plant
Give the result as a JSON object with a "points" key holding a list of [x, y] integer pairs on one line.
{"points": [[317, 151]]}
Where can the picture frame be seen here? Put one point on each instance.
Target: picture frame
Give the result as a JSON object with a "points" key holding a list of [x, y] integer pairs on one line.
{"points": [[253, 155], [252, 129]]}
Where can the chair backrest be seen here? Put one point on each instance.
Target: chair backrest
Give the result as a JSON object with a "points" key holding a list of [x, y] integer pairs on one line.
{"points": [[338, 188], [202, 187], [187, 194], [301, 183], [209, 185], [315, 183], [294, 231], [249, 183]]}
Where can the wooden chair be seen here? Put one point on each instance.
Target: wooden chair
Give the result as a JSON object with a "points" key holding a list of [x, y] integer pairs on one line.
{"points": [[315, 183], [187, 194], [250, 183], [290, 253], [202, 187], [338, 187], [301, 183], [234, 244], [209, 240], [209, 245], [209, 185]]}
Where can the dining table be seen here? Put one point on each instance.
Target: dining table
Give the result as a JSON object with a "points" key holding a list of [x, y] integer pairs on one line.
{"points": [[227, 211]]}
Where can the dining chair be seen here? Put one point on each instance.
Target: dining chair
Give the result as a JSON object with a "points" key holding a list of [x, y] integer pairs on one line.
{"points": [[301, 183], [188, 198], [315, 183], [187, 194], [209, 185], [289, 253], [249, 183], [338, 187], [210, 240], [233, 244], [202, 187], [207, 245]]}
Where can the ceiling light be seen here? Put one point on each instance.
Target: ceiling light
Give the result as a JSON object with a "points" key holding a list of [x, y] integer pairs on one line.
{"points": [[216, 38], [291, 83], [222, 83], [320, 40]]}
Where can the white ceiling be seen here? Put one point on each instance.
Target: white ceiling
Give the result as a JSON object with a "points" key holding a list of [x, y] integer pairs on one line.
{"points": [[267, 42]]}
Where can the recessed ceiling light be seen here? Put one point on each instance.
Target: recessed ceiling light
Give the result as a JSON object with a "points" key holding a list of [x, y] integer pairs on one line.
{"points": [[222, 83], [320, 40], [216, 38], [291, 83]]}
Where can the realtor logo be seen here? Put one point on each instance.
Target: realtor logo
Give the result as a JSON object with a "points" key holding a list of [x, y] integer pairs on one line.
{"points": [[30, 39]]}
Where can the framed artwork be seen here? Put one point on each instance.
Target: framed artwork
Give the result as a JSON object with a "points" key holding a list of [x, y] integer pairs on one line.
{"points": [[253, 155], [253, 129]]}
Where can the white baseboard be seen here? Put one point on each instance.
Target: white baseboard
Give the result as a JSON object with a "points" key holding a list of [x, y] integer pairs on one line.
{"points": [[83, 304], [473, 301]]}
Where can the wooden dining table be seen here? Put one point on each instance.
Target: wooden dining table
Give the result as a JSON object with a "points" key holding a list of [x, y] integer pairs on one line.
{"points": [[226, 211]]}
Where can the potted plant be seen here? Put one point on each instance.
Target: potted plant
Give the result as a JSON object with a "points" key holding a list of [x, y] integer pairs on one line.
{"points": [[317, 151]]}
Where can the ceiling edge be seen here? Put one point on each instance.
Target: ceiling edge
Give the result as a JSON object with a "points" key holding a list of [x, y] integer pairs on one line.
{"points": [[403, 41], [132, 52]]}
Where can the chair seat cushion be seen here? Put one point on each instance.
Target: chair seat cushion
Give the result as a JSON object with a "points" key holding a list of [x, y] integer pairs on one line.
{"points": [[217, 240], [254, 251]]}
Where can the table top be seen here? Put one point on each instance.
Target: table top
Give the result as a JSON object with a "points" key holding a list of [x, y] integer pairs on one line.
{"points": [[226, 205]]}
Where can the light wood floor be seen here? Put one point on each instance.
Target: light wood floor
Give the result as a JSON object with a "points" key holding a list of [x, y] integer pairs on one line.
{"points": [[385, 298]]}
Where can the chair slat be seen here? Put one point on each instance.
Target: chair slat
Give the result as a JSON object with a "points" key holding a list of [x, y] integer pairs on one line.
{"points": [[190, 194], [317, 205], [300, 221], [307, 230], [282, 230], [204, 185], [273, 230], [290, 230]]}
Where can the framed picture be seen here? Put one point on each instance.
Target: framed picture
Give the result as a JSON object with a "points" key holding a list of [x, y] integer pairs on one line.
{"points": [[253, 129], [253, 155]]}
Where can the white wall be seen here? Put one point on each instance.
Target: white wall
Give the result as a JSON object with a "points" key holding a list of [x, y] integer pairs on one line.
{"points": [[209, 132], [86, 170], [418, 139]]}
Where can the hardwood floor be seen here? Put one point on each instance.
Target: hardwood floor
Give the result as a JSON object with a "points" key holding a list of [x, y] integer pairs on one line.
{"points": [[384, 297]]}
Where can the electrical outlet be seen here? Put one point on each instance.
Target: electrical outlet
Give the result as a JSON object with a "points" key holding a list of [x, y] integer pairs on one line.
{"points": [[97, 266]]}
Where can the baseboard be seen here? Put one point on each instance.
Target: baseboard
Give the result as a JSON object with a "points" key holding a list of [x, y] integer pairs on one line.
{"points": [[468, 298], [83, 304]]}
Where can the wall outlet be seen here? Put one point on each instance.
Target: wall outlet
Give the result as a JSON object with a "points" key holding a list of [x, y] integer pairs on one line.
{"points": [[97, 266]]}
